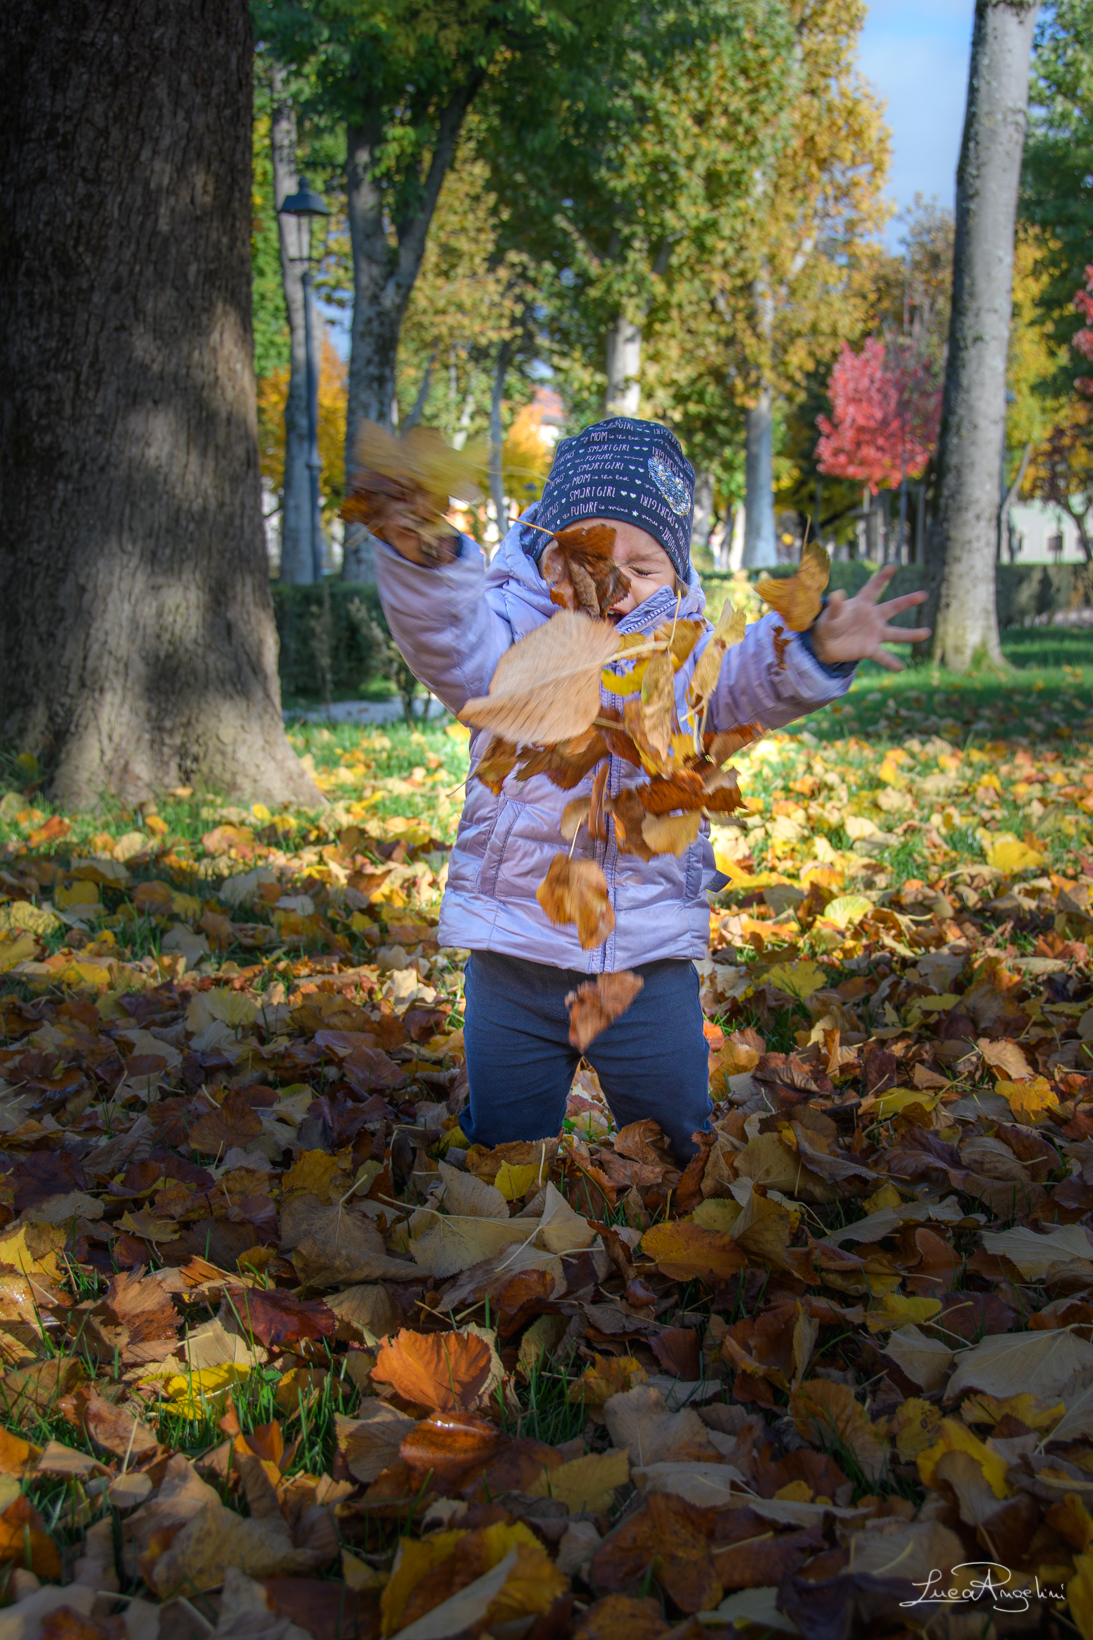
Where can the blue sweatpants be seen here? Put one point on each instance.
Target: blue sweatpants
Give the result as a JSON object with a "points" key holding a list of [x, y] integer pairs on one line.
{"points": [[652, 1061]]}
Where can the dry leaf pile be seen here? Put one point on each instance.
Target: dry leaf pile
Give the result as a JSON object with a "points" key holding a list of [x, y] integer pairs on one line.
{"points": [[283, 1355]]}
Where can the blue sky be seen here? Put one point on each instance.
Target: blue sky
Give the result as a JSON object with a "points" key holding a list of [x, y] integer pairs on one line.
{"points": [[915, 53]]}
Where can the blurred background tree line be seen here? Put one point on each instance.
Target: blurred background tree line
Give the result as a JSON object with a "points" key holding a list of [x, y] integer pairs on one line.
{"points": [[678, 217]]}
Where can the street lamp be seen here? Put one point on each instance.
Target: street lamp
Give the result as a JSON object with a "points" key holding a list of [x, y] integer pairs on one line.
{"points": [[306, 204]]}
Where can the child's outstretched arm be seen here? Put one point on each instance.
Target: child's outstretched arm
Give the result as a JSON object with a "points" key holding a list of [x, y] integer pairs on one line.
{"points": [[437, 610], [773, 678]]}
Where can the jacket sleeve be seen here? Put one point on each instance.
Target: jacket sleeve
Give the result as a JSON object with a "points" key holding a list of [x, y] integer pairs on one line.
{"points": [[756, 686], [445, 629]]}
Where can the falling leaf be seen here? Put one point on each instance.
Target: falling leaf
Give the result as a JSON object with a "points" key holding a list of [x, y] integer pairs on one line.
{"points": [[579, 569], [798, 598], [596, 1005], [729, 631], [575, 891], [546, 688], [670, 833]]}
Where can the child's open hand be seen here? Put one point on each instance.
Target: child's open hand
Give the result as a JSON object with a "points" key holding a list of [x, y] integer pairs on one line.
{"points": [[853, 629]]}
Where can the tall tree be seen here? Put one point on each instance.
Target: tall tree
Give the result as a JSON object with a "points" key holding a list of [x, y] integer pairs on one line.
{"points": [[137, 643], [964, 538]]}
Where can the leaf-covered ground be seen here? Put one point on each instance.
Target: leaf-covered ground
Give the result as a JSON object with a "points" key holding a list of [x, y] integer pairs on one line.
{"points": [[282, 1355]]}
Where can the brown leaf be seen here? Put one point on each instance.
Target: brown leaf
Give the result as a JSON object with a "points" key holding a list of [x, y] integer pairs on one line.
{"points": [[630, 815], [546, 688], [496, 763], [755, 1563], [580, 571], [575, 891], [670, 833], [667, 1534], [828, 1414], [279, 1320], [677, 1351], [621, 1618], [684, 1251], [441, 1370], [233, 1124], [567, 763], [25, 1541], [682, 790], [729, 631], [596, 1005], [798, 598]]}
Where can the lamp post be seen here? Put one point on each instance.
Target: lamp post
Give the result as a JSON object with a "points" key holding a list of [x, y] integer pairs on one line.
{"points": [[306, 204]]}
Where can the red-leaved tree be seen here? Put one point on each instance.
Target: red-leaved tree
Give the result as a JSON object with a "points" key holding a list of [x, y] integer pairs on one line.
{"points": [[886, 409]]}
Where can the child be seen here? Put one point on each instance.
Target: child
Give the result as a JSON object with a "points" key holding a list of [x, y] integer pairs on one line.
{"points": [[453, 619]]}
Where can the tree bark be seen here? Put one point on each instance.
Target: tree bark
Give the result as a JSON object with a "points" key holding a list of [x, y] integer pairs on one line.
{"points": [[760, 546], [137, 643], [702, 528], [296, 557], [965, 533], [623, 396], [497, 439]]}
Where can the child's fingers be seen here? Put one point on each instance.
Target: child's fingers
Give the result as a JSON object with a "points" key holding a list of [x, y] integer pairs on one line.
{"points": [[876, 584], [894, 606], [905, 634], [891, 663]]}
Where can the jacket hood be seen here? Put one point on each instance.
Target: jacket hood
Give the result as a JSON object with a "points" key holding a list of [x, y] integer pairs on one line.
{"points": [[513, 576]]}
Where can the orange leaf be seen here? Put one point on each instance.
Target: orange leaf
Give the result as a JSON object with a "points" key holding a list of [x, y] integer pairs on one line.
{"points": [[575, 891], [24, 1540], [595, 1006], [684, 1251], [441, 1370], [799, 598]]}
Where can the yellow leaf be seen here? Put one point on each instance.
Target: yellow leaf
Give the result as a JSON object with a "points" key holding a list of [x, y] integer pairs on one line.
{"points": [[1009, 854], [197, 1394], [957, 1437], [847, 910], [894, 1310], [312, 1171], [261, 813], [22, 949], [886, 1196], [515, 1182], [81, 892], [798, 597], [797, 979], [585, 1483], [417, 1557], [1032, 1100], [1079, 1594], [717, 1213], [890, 1104], [670, 833], [916, 1427], [988, 1409]]}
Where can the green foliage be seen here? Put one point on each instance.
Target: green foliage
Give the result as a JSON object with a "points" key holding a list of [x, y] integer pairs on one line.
{"points": [[1057, 182], [270, 323], [325, 650]]}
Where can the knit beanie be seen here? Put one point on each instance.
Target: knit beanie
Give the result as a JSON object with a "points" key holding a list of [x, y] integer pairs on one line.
{"points": [[634, 471]]}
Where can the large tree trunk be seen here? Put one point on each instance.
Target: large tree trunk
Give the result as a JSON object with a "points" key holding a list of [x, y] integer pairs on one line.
{"points": [[965, 535], [497, 438], [383, 280], [137, 643], [623, 396], [296, 556], [760, 546]]}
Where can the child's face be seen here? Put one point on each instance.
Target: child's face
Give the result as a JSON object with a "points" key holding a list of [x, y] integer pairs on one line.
{"points": [[641, 556]]}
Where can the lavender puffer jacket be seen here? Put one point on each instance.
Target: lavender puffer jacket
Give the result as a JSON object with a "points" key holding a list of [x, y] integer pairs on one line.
{"points": [[452, 625]]}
